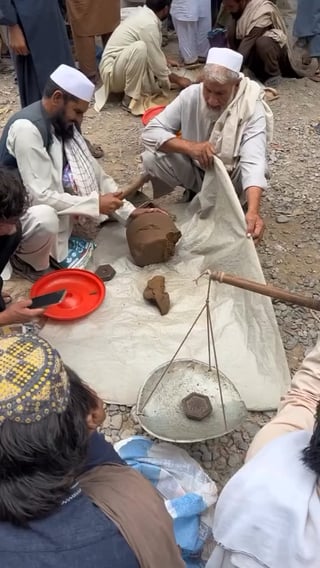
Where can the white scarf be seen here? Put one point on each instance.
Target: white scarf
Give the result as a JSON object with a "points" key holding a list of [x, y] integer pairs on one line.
{"points": [[228, 129], [269, 512], [80, 162]]}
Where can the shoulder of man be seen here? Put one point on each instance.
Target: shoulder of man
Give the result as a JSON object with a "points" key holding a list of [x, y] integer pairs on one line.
{"points": [[30, 117], [148, 19], [192, 93]]}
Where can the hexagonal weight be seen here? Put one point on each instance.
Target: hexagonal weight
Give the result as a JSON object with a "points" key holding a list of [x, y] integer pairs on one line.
{"points": [[196, 406]]}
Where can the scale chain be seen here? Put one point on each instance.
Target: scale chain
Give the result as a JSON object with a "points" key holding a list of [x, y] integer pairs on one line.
{"points": [[211, 341]]}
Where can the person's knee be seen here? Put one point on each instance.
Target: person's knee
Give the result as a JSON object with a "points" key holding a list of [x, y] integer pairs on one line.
{"points": [[149, 160], [140, 48], [45, 219], [263, 46]]}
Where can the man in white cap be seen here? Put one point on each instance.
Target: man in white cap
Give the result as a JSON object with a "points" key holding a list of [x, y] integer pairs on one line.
{"points": [[44, 143], [223, 116]]}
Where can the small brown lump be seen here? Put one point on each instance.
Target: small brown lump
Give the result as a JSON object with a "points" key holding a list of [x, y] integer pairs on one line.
{"points": [[155, 292], [152, 238]]}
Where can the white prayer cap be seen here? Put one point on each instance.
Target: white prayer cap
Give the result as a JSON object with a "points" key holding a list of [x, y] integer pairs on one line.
{"points": [[225, 57], [73, 82]]}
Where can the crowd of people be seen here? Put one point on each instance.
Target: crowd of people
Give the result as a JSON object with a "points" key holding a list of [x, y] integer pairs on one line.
{"points": [[66, 497]]}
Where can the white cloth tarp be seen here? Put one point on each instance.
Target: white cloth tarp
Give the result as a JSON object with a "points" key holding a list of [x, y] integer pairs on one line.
{"points": [[126, 339]]}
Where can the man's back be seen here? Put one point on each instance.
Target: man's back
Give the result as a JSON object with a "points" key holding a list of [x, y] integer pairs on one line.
{"points": [[141, 25], [77, 535]]}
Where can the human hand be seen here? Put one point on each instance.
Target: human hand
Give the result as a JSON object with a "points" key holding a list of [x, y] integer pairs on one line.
{"points": [[184, 82], [19, 312], [17, 41], [164, 84], [255, 226], [203, 152], [173, 62], [110, 202]]}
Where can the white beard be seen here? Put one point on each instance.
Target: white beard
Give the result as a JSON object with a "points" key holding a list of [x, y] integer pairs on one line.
{"points": [[214, 114]]}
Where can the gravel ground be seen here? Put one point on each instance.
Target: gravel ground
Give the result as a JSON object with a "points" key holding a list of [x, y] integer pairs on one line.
{"points": [[289, 253]]}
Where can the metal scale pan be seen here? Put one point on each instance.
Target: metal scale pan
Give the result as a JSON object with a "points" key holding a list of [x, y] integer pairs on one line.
{"points": [[160, 403], [163, 416]]}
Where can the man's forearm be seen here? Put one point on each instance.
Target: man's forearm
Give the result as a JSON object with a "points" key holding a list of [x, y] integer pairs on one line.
{"points": [[174, 78], [253, 194], [176, 145], [248, 43]]}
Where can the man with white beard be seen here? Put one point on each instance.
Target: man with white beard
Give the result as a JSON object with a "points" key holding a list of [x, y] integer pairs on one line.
{"points": [[224, 116]]}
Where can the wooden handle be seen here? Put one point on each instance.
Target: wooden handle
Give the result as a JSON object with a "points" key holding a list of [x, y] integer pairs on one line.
{"points": [[134, 186], [266, 290]]}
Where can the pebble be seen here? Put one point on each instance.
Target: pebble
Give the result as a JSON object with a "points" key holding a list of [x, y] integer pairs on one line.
{"points": [[133, 415], [235, 460], [220, 463], [291, 343], [206, 454], [116, 422], [252, 428], [282, 219], [127, 434]]}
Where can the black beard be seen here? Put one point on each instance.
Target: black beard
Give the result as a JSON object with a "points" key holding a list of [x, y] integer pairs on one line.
{"points": [[62, 131]]}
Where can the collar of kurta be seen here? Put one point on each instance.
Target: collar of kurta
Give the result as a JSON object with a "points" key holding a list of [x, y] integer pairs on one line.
{"points": [[154, 16]]}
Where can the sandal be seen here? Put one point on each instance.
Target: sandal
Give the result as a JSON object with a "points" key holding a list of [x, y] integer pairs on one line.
{"points": [[95, 149], [6, 298], [194, 65], [316, 77], [271, 94], [125, 103]]}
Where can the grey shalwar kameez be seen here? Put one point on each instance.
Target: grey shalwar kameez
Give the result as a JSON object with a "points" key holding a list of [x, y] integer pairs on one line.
{"points": [[42, 24]]}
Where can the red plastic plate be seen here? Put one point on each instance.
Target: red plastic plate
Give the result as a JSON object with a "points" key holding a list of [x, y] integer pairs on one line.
{"points": [[85, 293], [150, 113]]}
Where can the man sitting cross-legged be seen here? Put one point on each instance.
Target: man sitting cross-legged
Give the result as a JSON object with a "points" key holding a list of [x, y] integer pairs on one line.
{"points": [[44, 144]]}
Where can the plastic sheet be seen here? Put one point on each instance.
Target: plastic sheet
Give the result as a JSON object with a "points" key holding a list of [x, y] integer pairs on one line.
{"points": [[120, 345]]}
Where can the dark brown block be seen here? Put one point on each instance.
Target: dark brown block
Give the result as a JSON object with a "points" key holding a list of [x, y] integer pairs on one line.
{"points": [[197, 406]]}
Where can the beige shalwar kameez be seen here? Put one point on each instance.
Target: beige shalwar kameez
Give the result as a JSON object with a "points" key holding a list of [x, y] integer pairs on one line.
{"points": [[41, 173], [133, 62], [90, 18]]}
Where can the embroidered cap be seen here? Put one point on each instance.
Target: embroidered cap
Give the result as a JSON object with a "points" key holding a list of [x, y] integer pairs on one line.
{"points": [[73, 82], [33, 380], [226, 58]]}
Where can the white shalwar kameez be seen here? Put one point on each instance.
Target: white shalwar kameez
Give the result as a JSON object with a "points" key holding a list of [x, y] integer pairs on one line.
{"points": [[54, 210], [192, 22], [190, 115]]}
